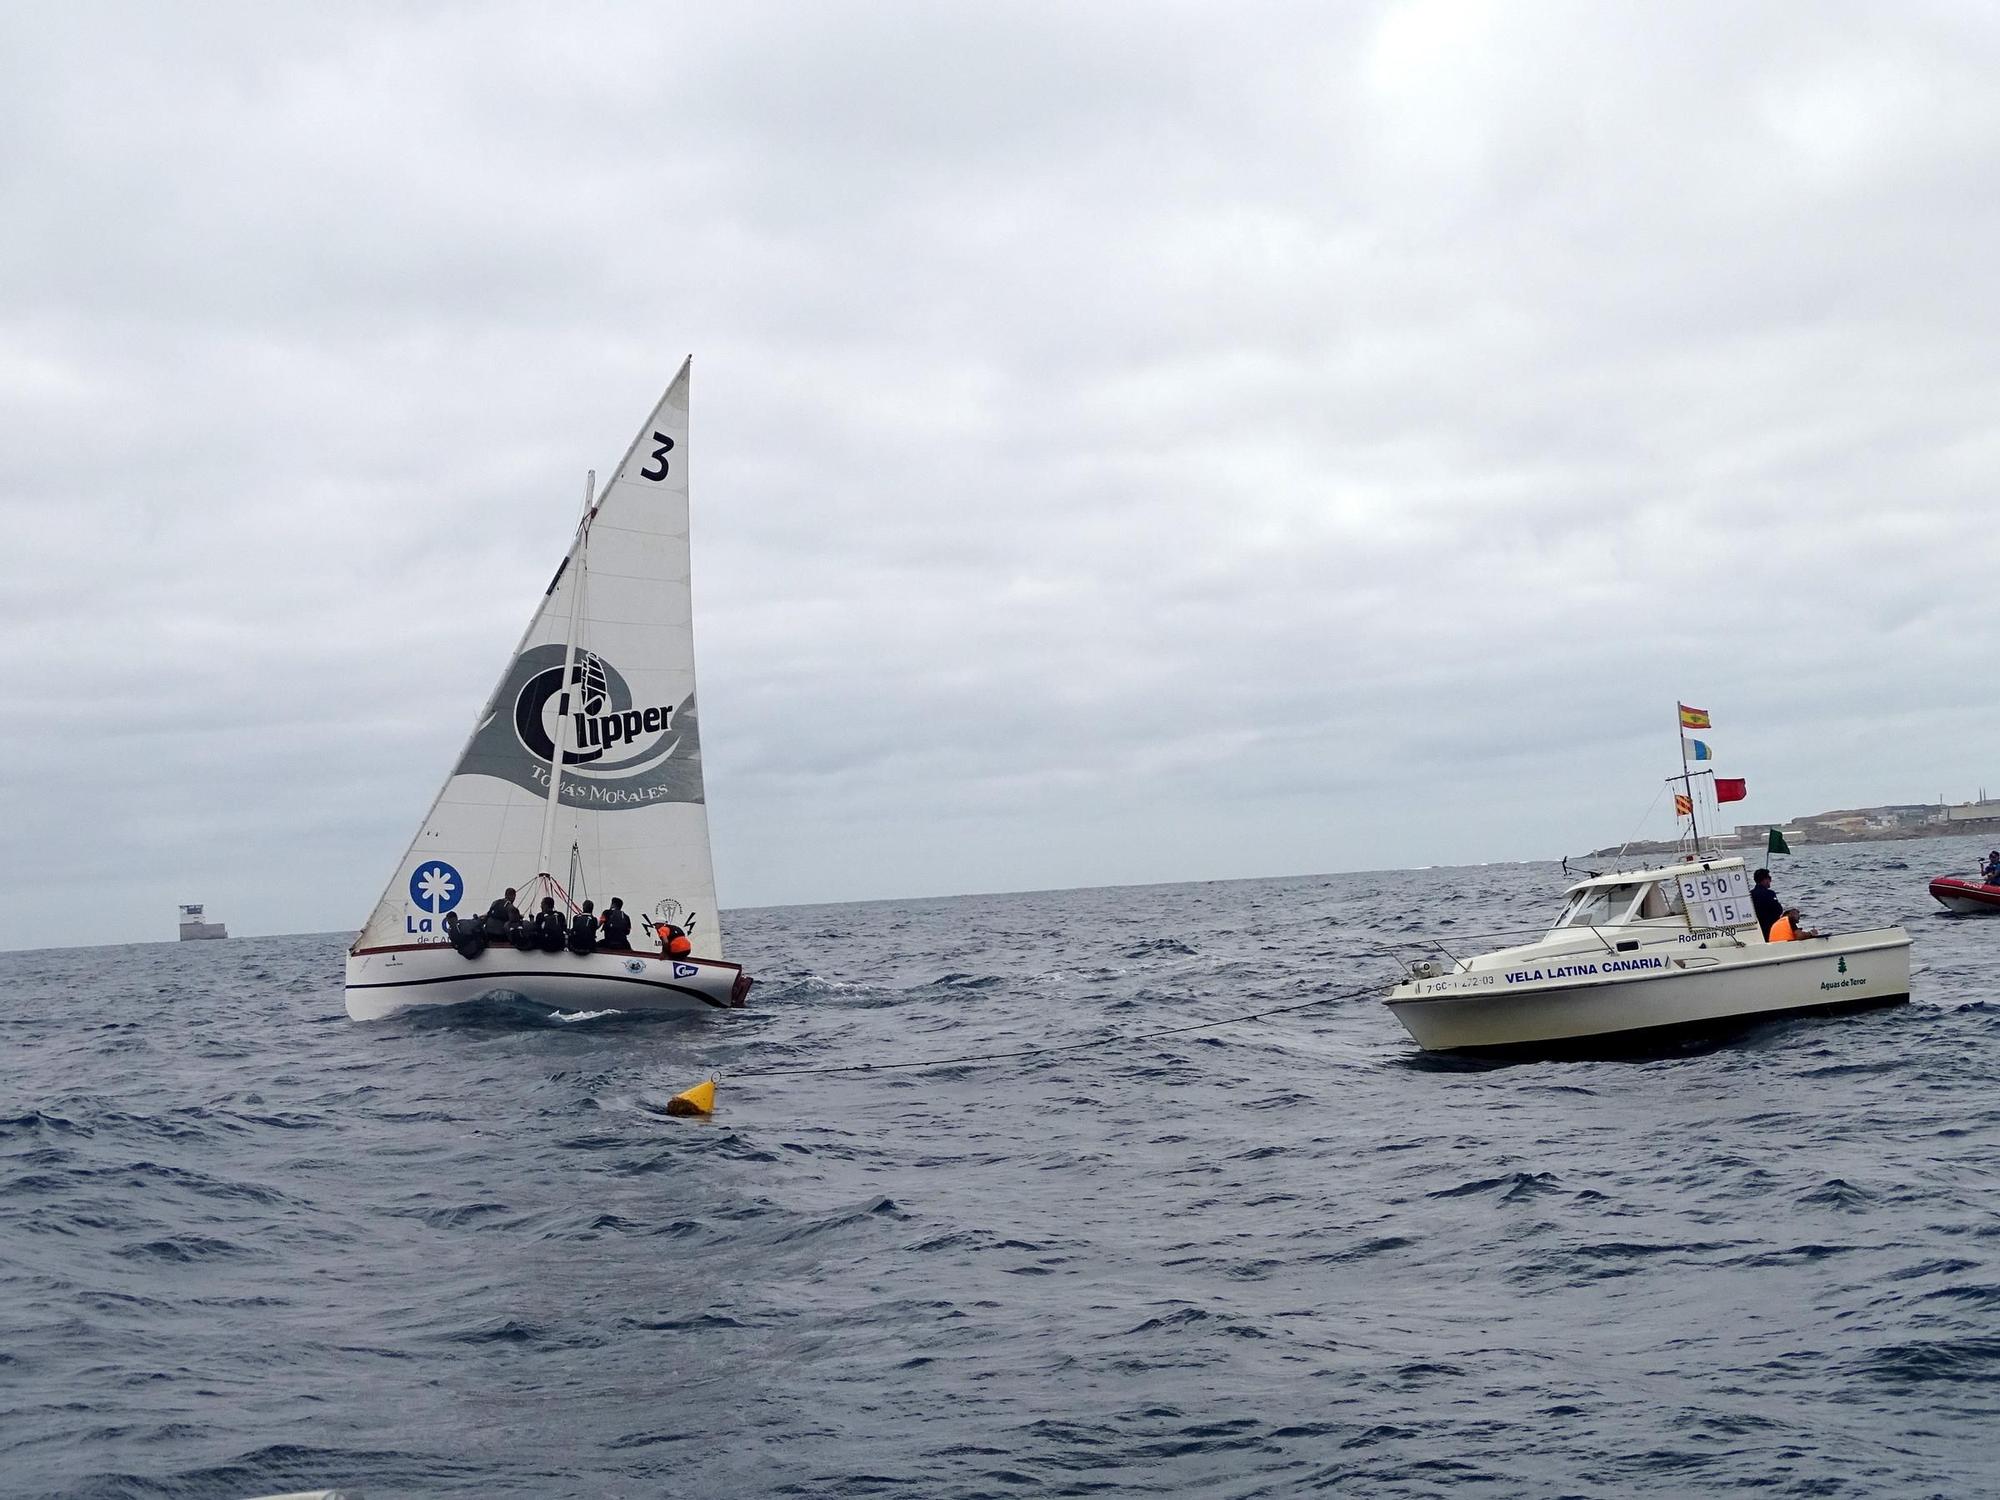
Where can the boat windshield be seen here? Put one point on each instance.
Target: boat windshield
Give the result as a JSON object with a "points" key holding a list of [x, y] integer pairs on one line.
{"points": [[1599, 906], [1663, 899]]}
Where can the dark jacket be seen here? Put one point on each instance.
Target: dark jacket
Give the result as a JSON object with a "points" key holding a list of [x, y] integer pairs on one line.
{"points": [[582, 932], [617, 928], [1764, 901], [501, 915], [551, 931]]}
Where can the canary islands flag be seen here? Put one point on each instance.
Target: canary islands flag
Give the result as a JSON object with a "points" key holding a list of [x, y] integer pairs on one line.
{"points": [[1693, 718], [1698, 750]]}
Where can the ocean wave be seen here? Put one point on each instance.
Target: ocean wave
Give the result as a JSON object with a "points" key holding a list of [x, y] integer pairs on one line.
{"points": [[469, 1252]]}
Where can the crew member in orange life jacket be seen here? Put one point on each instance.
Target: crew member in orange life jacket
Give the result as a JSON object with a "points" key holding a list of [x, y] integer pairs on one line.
{"points": [[673, 942], [1786, 929]]}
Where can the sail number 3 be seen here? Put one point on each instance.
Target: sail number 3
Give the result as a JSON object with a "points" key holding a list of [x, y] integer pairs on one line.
{"points": [[659, 457]]}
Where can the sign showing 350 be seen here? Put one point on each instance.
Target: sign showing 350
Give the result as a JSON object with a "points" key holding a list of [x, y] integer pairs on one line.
{"points": [[1719, 898]]}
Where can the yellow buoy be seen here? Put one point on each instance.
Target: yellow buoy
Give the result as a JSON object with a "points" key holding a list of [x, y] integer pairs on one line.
{"points": [[699, 1100]]}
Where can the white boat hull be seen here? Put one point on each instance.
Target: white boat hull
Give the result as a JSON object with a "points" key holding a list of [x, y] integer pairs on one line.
{"points": [[1712, 987], [384, 981]]}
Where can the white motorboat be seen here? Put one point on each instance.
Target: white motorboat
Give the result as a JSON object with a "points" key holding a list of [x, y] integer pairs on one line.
{"points": [[1639, 953], [587, 760]]}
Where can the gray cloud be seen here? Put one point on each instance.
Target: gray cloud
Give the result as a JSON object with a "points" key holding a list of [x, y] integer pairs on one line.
{"points": [[1133, 442]]}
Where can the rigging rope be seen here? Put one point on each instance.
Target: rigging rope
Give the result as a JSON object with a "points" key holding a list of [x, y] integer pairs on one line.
{"points": [[1083, 1046], [1633, 837]]}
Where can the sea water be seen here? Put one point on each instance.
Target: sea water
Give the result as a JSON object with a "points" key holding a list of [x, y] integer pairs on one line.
{"points": [[247, 1245]]}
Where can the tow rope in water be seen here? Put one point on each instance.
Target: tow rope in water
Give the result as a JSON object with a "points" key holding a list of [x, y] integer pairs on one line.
{"points": [[700, 1100]]}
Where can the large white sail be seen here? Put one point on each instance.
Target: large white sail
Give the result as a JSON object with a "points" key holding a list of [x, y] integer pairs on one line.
{"points": [[631, 821]]}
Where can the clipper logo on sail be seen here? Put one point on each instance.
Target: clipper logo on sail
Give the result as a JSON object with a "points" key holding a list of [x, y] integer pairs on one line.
{"points": [[601, 732], [592, 731], [620, 753]]}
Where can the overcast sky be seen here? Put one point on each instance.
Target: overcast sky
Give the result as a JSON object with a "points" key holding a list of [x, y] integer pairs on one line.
{"points": [[1134, 442]]}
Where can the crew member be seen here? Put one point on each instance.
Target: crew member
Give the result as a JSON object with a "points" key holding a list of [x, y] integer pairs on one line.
{"points": [[468, 937], [616, 926], [1765, 902], [583, 930], [502, 914], [1990, 871], [1787, 929], [673, 942], [551, 931]]}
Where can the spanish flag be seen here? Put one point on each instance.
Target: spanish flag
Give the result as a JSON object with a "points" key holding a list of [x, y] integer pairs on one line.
{"points": [[1694, 718], [1683, 806]]}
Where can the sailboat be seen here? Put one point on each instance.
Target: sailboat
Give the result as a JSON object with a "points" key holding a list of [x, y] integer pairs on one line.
{"points": [[581, 781]]}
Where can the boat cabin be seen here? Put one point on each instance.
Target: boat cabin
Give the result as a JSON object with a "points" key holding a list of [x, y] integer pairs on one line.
{"points": [[1628, 912], [1620, 903], [1700, 893]]}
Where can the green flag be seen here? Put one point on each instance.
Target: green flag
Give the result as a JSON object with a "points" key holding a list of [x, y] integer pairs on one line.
{"points": [[1777, 844]]}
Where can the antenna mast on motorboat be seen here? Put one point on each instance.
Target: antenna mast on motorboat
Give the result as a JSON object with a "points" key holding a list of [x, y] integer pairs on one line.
{"points": [[561, 736], [1687, 781], [1692, 718]]}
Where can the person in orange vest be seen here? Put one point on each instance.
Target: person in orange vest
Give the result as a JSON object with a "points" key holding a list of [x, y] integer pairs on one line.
{"points": [[1786, 929], [673, 942]]}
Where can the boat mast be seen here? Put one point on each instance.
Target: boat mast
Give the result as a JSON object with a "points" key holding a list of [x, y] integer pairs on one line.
{"points": [[569, 666], [1687, 783]]}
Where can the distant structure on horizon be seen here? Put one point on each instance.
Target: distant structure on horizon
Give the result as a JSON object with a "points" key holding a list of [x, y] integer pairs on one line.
{"points": [[1901, 820], [1982, 811], [1851, 825], [192, 925]]}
